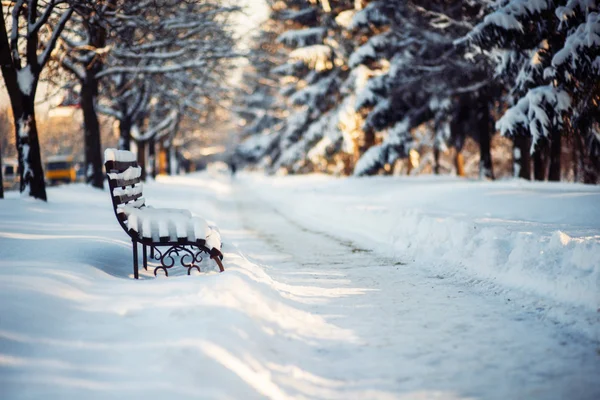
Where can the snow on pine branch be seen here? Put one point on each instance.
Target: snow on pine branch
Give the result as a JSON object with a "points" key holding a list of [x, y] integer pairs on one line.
{"points": [[371, 15], [510, 17], [539, 112], [302, 37], [288, 69], [396, 145], [314, 95], [318, 57], [569, 10], [578, 48]]}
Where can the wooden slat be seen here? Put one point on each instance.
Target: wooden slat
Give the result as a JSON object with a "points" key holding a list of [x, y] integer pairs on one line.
{"points": [[119, 166], [124, 182], [126, 199]]}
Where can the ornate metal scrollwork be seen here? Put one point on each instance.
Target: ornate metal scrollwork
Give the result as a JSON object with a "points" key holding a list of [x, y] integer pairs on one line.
{"points": [[189, 257]]}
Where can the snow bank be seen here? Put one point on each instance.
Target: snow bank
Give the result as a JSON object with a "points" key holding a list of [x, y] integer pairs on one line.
{"points": [[539, 239], [552, 264]]}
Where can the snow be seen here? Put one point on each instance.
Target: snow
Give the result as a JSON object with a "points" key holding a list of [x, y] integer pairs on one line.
{"points": [[344, 18], [387, 288], [565, 12], [370, 161], [302, 37], [154, 223], [317, 57], [25, 80], [587, 35], [371, 14], [129, 174], [119, 155], [510, 16], [532, 111]]}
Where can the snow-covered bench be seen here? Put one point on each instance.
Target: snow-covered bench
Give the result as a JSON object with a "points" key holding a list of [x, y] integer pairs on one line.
{"points": [[186, 236]]}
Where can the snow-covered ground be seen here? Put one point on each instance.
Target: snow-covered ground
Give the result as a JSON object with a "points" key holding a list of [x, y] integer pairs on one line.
{"points": [[334, 289]]}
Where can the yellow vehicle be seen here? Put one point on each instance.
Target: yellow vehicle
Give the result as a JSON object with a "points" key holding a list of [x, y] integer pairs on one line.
{"points": [[60, 169], [10, 174]]}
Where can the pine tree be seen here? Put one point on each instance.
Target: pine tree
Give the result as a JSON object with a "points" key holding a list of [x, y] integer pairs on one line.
{"points": [[425, 78], [549, 53]]}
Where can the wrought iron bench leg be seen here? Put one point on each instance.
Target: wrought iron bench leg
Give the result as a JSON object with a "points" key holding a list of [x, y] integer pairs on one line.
{"points": [[135, 259], [219, 263], [145, 257]]}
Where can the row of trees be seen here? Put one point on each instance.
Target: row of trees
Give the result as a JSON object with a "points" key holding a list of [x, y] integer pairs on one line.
{"points": [[148, 64], [353, 86]]}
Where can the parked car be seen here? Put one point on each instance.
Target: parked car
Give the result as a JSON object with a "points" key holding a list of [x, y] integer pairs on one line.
{"points": [[10, 174], [60, 169]]}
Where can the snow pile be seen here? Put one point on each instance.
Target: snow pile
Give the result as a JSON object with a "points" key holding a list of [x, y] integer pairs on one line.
{"points": [[554, 264]]}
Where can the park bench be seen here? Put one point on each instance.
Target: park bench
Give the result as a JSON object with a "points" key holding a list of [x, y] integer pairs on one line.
{"points": [[169, 234]]}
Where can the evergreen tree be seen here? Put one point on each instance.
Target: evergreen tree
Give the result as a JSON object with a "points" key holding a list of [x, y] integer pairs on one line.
{"points": [[549, 51], [425, 78]]}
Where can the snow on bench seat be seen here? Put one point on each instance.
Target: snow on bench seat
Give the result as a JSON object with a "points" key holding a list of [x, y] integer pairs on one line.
{"points": [[118, 155], [161, 224]]}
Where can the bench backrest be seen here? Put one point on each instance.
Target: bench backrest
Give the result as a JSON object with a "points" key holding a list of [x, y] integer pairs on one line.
{"points": [[124, 181]]}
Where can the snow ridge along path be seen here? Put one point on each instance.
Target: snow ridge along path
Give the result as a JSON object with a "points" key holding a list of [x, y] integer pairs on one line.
{"points": [[329, 293]]}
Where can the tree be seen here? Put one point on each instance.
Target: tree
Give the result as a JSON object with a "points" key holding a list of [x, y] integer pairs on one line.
{"points": [[83, 55], [312, 80], [168, 58], [34, 29], [548, 57], [423, 77], [361, 76]]}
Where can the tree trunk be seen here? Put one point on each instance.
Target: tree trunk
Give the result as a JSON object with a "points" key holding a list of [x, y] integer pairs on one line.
{"points": [[576, 154], [28, 145], [89, 95], [555, 156], [486, 131], [436, 160], [1, 178], [93, 148], [521, 157], [152, 157], [141, 157], [459, 163], [539, 160], [21, 84], [589, 160], [31, 172], [173, 162], [125, 134], [485, 157]]}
